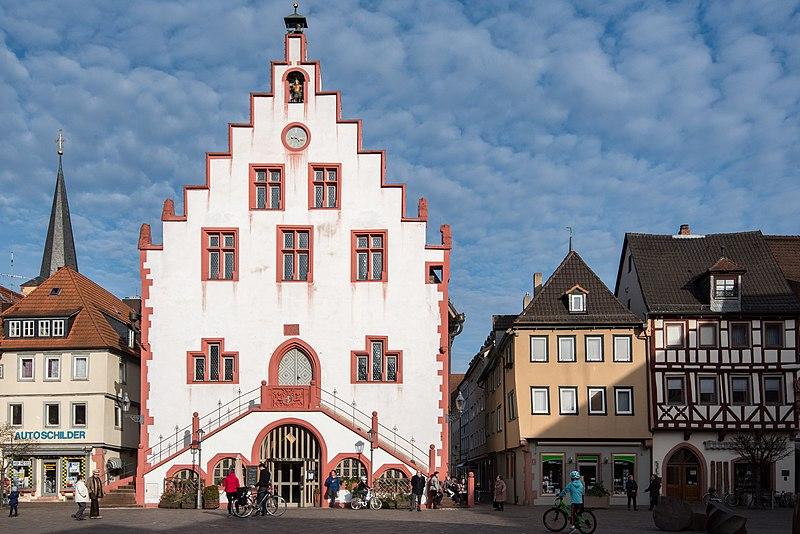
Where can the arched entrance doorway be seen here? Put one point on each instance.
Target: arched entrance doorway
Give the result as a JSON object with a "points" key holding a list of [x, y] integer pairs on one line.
{"points": [[684, 475], [295, 369], [294, 457]]}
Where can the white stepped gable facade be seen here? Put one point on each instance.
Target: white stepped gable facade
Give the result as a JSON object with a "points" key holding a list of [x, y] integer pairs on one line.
{"points": [[293, 307]]}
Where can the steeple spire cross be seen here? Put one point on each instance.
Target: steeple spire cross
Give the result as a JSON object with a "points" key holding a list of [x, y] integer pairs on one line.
{"points": [[60, 142]]}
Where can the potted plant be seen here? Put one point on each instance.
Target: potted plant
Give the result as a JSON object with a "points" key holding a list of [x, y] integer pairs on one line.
{"points": [[597, 496], [169, 499], [210, 497]]}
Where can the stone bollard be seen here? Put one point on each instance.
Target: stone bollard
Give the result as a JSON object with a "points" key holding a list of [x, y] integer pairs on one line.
{"points": [[470, 489], [722, 520], [672, 515]]}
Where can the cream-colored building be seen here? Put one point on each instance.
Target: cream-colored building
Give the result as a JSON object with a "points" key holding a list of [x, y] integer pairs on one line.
{"points": [[566, 389], [69, 368]]}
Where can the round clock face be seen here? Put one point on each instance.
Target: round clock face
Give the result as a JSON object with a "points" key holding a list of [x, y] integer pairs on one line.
{"points": [[296, 137]]}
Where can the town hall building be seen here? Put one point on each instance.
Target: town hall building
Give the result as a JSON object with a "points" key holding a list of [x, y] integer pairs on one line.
{"points": [[294, 312]]}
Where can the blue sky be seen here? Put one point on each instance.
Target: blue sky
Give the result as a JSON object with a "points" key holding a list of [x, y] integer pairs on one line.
{"points": [[514, 120]]}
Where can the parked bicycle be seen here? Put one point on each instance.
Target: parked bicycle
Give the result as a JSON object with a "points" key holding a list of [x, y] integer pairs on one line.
{"points": [[726, 498], [785, 499], [247, 503], [370, 499], [555, 519]]}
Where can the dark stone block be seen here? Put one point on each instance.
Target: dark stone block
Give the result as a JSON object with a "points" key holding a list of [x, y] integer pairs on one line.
{"points": [[672, 515], [722, 520]]}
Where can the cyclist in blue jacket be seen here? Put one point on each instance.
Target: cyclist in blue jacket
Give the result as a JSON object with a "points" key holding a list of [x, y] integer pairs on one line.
{"points": [[576, 491]]}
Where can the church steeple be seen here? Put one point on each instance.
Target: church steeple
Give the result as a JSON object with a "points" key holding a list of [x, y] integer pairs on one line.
{"points": [[59, 248]]}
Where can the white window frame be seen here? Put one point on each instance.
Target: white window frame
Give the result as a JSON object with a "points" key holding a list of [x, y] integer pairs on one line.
{"points": [[28, 328], [590, 391], [498, 419], [11, 414], [14, 328], [534, 340], [572, 340], [684, 389], [539, 389], [567, 389], [123, 372], [577, 303], [131, 338], [73, 406], [715, 341], [595, 338], [44, 328], [629, 342], [700, 380], [47, 361], [667, 326], [75, 367], [57, 328], [117, 416], [2, 375], [20, 367], [629, 391], [58, 412]]}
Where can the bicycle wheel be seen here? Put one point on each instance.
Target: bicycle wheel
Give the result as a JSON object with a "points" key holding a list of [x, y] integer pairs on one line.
{"points": [[243, 509], [375, 503], [276, 506], [355, 503], [587, 522], [731, 500], [554, 519]]}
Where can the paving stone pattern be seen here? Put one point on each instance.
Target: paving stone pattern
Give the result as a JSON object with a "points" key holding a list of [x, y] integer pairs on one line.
{"points": [[55, 518]]}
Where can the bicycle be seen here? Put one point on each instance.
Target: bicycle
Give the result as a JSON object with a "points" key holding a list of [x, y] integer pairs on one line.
{"points": [[555, 518], [247, 503], [356, 503]]}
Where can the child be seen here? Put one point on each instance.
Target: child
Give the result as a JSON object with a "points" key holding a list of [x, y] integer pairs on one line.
{"points": [[575, 490], [13, 502]]}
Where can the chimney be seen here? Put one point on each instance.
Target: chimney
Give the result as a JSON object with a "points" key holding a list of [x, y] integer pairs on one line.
{"points": [[537, 283], [526, 300], [685, 230]]}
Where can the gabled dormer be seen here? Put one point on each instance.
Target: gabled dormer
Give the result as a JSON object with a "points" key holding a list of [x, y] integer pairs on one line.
{"points": [[725, 286], [577, 298]]}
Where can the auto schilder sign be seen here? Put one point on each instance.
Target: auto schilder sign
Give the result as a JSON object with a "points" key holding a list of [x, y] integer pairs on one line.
{"points": [[50, 434]]}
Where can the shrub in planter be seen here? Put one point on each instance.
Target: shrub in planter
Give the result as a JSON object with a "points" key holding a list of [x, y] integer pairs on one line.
{"points": [[169, 500], [211, 497], [597, 496]]}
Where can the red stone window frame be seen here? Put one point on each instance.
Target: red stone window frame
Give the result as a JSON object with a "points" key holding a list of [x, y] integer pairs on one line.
{"points": [[262, 177], [371, 250], [293, 248], [329, 187], [368, 357], [199, 363], [221, 246]]}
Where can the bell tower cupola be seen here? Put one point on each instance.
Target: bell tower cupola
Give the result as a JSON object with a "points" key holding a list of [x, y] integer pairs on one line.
{"points": [[295, 22]]}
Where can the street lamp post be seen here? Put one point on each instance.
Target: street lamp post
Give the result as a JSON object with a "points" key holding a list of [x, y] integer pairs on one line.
{"points": [[460, 409], [126, 407]]}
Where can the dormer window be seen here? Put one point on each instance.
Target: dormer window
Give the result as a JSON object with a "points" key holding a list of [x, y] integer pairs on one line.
{"points": [[725, 287], [577, 303]]}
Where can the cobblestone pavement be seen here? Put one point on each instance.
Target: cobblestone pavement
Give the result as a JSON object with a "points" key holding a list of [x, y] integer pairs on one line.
{"points": [[55, 518]]}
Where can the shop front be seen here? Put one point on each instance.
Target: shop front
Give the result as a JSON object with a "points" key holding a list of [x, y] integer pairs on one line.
{"points": [[48, 474], [603, 468]]}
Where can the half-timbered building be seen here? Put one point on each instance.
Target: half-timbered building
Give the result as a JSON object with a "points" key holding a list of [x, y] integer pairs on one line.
{"points": [[722, 332], [294, 313]]}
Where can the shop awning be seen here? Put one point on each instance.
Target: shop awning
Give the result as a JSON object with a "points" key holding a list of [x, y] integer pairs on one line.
{"points": [[625, 458], [588, 458], [552, 457]]}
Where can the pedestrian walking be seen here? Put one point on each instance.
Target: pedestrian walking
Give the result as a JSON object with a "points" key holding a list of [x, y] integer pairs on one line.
{"points": [[13, 502], [417, 489], [231, 486], [654, 489], [434, 490], [264, 486], [499, 493], [95, 487], [631, 490], [332, 485], [81, 498]]}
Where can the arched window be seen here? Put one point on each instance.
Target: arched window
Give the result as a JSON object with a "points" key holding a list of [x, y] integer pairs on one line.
{"points": [[393, 474], [351, 468], [185, 474], [222, 468], [296, 85]]}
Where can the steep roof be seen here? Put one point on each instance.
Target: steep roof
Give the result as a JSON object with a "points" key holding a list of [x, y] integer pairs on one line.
{"points": [[8, 296], [59, 248], [673, 271], [550, 305], [99, 319], [786, 251]]}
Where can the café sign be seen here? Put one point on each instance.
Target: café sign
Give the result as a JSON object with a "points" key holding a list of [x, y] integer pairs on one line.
{"points": [[50, 434]]}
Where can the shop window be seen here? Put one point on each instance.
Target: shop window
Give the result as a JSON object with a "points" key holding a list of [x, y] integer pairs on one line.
{"points": [[622, 348], [773, 335], [70, 469], [552, 473], [21, 470], [78, 414], [351, 468], [52, 415], [594, 348], [587, 467], [676, 390], [624, 465], [538, 348], [740, 335], [566, 348], [222, 469]]}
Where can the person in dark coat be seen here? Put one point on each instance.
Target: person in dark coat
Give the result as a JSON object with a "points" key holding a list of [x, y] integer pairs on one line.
{"points": [[631, 490], [654, 489], [417, 489], [332, 485], [13, 502], [95, 485], [264, 486]]}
